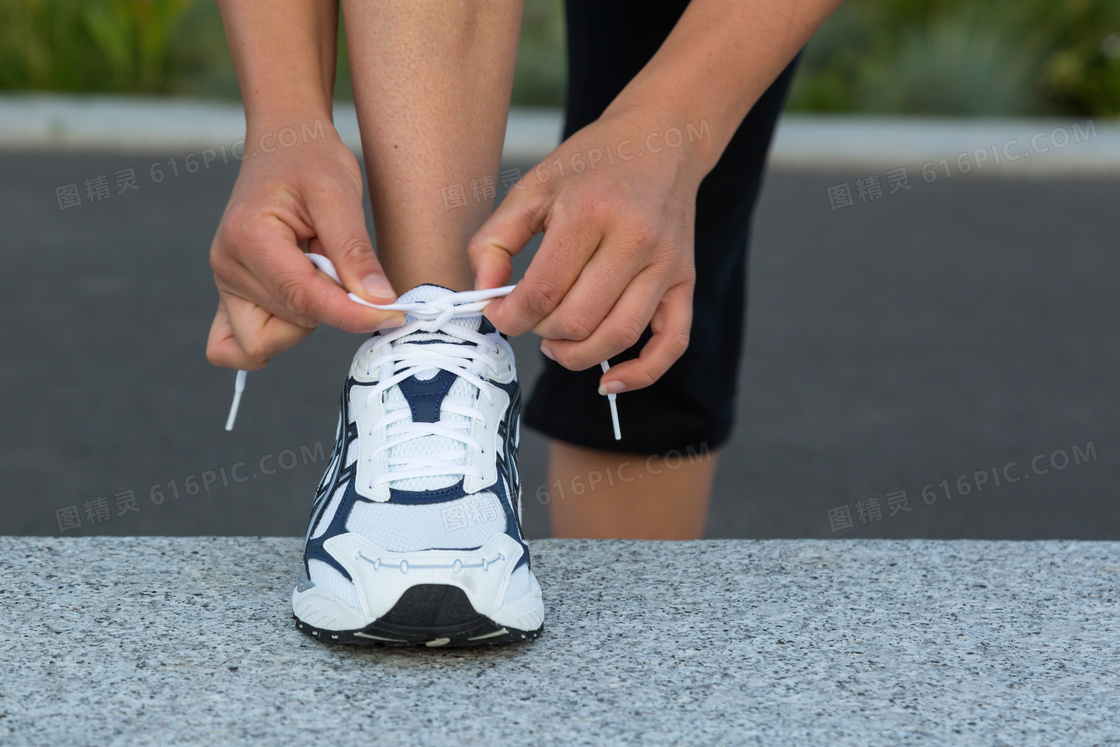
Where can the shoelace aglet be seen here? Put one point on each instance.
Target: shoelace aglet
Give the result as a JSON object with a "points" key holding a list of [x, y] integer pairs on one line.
{"points": [[612, 400], [238, 388]]}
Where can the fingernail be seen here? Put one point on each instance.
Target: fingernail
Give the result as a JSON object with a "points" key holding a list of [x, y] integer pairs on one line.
{"points": [[611, 387], [546, 351], [377, 286], [389, 324]]}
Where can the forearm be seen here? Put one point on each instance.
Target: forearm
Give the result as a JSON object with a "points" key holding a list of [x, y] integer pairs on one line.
{"points": [[719, 60], [284, 52]]}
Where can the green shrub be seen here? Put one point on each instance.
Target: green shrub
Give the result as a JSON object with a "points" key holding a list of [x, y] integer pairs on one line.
{"points": [[89, 45], [959, 65], [937, 57], [542, 69], [959, 57]]}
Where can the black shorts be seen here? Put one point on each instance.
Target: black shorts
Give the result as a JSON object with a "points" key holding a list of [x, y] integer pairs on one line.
{"points": [[693, 404]]}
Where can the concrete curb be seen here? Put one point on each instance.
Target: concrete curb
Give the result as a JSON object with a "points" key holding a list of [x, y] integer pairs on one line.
{"points": [[157, 640], [945, 147], [116, 124], [941, 146]]}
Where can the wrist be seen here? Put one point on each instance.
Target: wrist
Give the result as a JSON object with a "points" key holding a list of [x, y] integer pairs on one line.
{"points": [[268, 112], [267, 131], [668, 123]]}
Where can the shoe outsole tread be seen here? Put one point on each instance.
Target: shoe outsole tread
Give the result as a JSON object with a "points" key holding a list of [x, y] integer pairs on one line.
{"points": [[487, 633], [429, 615]]}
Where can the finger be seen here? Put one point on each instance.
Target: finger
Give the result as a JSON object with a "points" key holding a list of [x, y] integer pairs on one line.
{"points": [[671, 324], [340, 226], [600, 285], [569, 242], [294, 290], [222, 348], [249, 247], [620, 330], [505, 233], [258, 334], [221, 345]]}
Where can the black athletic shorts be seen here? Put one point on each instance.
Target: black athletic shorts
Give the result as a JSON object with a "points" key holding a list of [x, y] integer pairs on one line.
{"points": [[693, 403]]}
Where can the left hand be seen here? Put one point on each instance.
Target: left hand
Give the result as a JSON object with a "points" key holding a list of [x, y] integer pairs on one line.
{"points": [[617, 254]]}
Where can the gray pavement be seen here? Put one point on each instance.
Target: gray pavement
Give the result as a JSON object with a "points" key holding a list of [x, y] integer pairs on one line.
{"points": [[935, 339], [880, 642]]}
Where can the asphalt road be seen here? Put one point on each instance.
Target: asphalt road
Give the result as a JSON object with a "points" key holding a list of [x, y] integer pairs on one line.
{"points": [[957, 341]]}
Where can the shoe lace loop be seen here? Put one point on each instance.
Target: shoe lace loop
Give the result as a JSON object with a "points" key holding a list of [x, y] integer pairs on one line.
{"points": [[400, 355], [431, 317]]}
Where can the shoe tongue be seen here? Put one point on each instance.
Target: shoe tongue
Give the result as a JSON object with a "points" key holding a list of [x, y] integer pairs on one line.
{"points": [[460, 388], [430, 292]]}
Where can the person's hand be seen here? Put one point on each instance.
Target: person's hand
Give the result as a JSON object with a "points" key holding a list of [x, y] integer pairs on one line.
{"points": [[288, 200], [617, 253]]}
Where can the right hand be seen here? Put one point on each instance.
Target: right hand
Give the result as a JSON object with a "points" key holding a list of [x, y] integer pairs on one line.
{"points": [[307, 197]]}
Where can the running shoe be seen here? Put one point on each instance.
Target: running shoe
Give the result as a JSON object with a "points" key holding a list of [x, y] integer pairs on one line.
{"points": [[415, 533]]}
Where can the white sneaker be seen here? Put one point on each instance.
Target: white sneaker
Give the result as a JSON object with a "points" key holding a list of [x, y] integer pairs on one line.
{"points": [[415, 534]]}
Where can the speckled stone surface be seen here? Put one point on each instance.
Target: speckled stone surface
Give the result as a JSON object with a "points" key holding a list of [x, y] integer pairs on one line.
{"points": [[190, 640]]}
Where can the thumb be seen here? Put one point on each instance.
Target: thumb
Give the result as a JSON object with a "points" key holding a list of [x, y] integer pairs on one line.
{"points": [[503, 235], [340, 225]]}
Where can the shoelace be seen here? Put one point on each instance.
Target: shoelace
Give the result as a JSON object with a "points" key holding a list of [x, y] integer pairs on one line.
{"points": [[402, 356], [433, 315]]}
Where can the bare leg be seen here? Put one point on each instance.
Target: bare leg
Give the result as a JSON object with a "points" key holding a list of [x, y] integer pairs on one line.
{"points": [[633, 497], [432, 83]]}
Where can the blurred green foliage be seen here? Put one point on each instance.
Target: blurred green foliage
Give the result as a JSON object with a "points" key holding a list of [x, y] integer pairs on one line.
{"points": [[93, 45], [542, 60], [936, 57], [962, 57]]}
